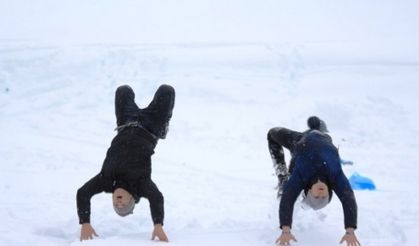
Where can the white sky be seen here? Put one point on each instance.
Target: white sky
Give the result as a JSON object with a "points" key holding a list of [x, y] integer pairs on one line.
{"points": [[208, 21]]}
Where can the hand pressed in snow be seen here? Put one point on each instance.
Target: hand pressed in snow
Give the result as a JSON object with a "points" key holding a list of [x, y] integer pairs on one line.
{"points": [[286, 236], [158, 233], [350, 238], [87, 232]]}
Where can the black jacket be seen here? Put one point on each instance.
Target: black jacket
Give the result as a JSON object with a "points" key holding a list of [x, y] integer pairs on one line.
{"points": [[128, 160], [127, 165]]}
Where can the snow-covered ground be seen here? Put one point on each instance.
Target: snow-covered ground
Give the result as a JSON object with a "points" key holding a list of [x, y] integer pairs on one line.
{"points": [[214, 169]]}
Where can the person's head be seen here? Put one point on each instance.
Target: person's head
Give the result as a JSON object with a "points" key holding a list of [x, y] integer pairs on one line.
{"points": [[123, 202], [318, 196]]}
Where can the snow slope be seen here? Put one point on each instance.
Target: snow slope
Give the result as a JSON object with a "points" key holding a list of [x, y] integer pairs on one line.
{"points": [[350, 64], [214, 168]]}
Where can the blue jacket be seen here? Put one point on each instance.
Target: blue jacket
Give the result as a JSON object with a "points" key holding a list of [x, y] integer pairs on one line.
{"points": [[316, 158]]}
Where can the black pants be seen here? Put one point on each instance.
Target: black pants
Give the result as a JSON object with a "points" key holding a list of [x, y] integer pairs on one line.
{"points": [[155, 117], [278, 138]]}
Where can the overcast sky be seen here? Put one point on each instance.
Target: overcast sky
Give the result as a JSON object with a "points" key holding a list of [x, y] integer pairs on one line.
{"points": [[133, 21]]}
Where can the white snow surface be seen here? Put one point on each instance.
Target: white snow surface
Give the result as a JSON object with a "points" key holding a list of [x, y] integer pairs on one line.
{"points": [[214, 169]]}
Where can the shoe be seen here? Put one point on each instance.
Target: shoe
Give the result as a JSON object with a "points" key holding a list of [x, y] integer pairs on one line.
{"points": [[315, 123]]}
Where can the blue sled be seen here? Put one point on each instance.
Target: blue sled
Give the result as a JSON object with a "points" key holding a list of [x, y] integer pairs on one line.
{"points": [[359, 182]]}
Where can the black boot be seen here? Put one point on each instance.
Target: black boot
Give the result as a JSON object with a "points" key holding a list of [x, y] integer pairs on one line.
{"points": [[315, 123]]}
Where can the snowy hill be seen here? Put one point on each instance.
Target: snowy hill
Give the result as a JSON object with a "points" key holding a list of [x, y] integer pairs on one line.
{"points": [[214, 169]]}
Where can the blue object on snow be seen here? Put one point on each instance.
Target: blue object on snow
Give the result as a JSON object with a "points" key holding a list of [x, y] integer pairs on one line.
{"points": [[359, 182], [345, 162]]}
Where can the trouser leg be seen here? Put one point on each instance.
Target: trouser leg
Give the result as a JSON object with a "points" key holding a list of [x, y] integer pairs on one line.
{"points": [[126, 110], [280, 137], [277, 139], [157, 115]]}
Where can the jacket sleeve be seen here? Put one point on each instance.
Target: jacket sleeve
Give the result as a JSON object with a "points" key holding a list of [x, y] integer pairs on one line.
{"points": [[292, 189], [346, 196], [149, 190], [84, 194]]}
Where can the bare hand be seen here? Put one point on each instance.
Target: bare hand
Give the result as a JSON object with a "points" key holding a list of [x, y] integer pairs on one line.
{"points": [[285, 239], [350, 239], [87, 232], [159, 233]]}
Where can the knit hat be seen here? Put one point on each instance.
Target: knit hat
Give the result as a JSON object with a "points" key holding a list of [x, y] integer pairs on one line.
{"points": [[315, 203]]}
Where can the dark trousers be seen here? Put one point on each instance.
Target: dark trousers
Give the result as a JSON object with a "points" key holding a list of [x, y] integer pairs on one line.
{"points": [[278, 138], [155, 117], [126, 110]]}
